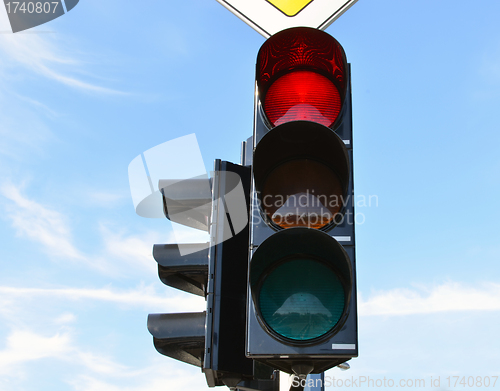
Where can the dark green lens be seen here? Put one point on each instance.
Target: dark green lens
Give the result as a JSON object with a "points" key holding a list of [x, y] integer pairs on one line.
{"points": [[301, 299]]}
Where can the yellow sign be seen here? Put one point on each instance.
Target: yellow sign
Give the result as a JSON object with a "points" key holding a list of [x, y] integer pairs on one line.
{"points": [[270, 16], [290, 7]]}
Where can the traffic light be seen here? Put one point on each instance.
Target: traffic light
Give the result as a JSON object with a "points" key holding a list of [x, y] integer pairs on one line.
{"points": [[182, 335], [214, 339], [225, 362], [301, 301]]}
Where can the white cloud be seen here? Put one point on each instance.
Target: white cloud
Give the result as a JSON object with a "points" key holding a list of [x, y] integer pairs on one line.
{"points": [[25, 346], [51, 230], [158, 378], [132, 249], [65, 318], [23, 131], [103, 365], [443, 298], [42, 108], [184, 234], [144, 297], [40, 224], [86, 367], [64, 337], [41, 55], [105, 199]]}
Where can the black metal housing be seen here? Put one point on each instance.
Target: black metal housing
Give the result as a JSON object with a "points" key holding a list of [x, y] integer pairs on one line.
{"points": [[225, 361], [342, 344], [180, 336], [185, 272]]}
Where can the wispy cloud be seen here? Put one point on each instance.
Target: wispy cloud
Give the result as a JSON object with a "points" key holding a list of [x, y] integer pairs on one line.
{"points": [[23, 346], [91, 367], [65, 318], [105, 198], [33, 104], [40, 224], [134, 250], [143, 296], [31, 65], [51, 229], [103, 365], [63, 338], [42, 55], [424, 300], [23, 130], [158, 379]]}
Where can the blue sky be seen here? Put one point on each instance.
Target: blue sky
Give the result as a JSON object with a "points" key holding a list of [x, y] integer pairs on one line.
{"points": [[88, 92]]}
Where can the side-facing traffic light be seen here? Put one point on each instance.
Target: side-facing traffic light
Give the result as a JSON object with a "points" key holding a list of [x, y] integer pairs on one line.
{"points": [[301, 312], [214, 339], [182, 335]]}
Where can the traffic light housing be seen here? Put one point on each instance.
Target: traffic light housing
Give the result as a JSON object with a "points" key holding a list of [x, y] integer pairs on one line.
{"points": [[280, 291], [214, 339], [301, 301], [225, 362]]}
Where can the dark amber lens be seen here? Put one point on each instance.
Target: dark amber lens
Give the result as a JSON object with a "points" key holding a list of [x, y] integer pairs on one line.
{"points": [[302, 193]]}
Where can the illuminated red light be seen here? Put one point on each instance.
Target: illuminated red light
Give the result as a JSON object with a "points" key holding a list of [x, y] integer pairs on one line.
{"points": [[302, 95], [301, 75]]}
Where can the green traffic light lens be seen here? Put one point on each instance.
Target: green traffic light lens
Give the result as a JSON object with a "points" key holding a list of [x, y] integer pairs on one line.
{"points": [[301, 299]]}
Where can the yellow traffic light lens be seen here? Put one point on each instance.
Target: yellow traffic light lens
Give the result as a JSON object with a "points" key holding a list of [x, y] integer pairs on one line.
{"points": [[301, 173], [302, 193]]}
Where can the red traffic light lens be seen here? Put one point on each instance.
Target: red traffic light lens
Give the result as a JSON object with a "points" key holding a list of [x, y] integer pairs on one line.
{"points": [[302, 95], [302, 74]]}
